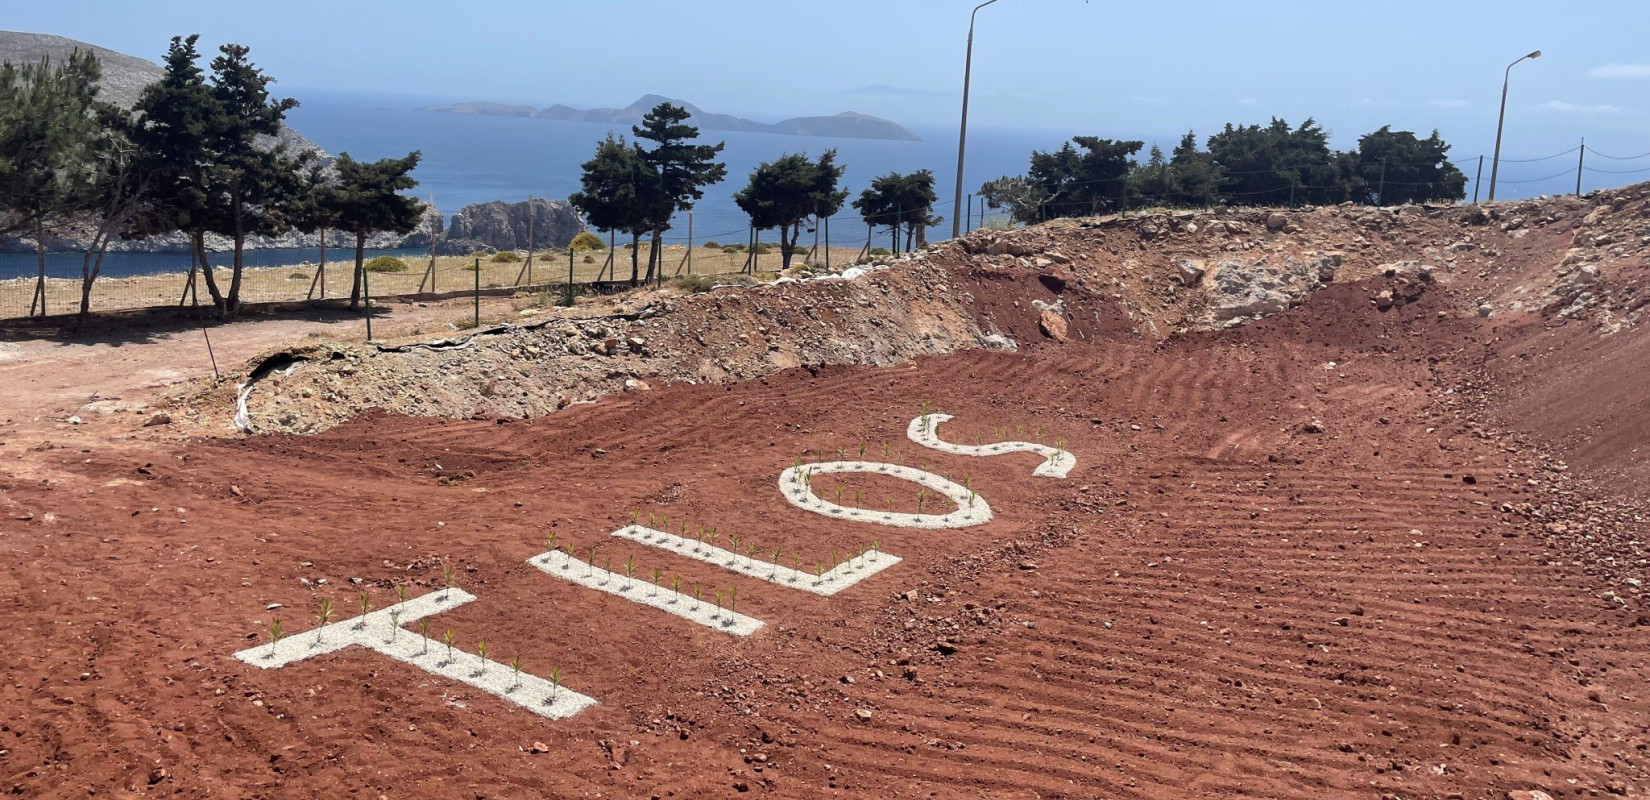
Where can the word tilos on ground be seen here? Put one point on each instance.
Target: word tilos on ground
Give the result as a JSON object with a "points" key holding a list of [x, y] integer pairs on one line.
{"points": [[382, 631]]}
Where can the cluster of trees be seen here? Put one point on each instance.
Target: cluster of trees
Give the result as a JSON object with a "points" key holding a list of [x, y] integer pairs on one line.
{"points": [[634, 188], [198, 154], [629, 188], [1255, 165]]}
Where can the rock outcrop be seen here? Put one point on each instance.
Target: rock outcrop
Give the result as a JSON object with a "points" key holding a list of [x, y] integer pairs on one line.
{"points": [[505, 226]]}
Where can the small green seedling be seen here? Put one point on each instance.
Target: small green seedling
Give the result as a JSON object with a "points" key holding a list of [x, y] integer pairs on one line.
{"points": [[401, 592], [652, 519], [750, 554], [839, 490], [324, 615], [657, 574], [819, 571], [447, 638], [861, 451], [733, 539], [555, 682], [733, 598], [366, 605], [885, 450], [424, 630], [447, 578], [777, 552], [550, 541], [922, 499], [856, 498], [274, 634], [676, 584], [515, 669], [481, 654], [607, 563], [718, 602], [634, 516], [698, 595]]}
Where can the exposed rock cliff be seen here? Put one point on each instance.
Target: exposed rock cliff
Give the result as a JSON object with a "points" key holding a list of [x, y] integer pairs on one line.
{"points": [[505, 226]]}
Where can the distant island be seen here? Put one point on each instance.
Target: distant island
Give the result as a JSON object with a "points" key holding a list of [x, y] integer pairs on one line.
{"points": [[847, 125]]}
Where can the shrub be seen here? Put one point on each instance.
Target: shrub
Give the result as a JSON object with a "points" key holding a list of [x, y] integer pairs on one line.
{"points": [[712, 245], [881, 251], [589, 259], [693, 284], [761, 249], [586, 241], [385, 264], [506, 257], [734, 248]]}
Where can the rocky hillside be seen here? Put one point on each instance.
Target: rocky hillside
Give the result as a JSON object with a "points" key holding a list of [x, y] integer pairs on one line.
{"points": [[1561, 283], [124, 76]]}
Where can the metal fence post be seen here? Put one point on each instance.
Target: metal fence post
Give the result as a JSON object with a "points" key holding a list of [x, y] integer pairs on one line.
{"points": [[827, 224], [569, 275], [366, 292], [478, 293]]}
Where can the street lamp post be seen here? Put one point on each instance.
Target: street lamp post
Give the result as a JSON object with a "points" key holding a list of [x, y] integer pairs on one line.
{"points": [[962, 131], [1501, 121]]}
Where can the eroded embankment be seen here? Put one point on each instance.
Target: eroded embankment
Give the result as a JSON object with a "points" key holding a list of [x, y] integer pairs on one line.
{"points": [[882, 317]]}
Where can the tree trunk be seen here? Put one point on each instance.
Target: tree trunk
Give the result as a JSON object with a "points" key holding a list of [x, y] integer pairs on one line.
{"points": [[91, 265], [360, 268], [206, 271], [233, 302], [788, 234], [635, 248], [655, 259]]}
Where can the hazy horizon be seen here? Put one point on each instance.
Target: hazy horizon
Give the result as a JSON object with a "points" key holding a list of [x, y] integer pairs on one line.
{"points": [[1063, 66]]}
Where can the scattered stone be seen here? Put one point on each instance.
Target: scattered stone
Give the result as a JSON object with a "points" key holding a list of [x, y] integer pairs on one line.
{"points": [[539, 748], [1532, 794], [1276, 221], [158, 418], [1315, 426], [1192, 270], [864, 714], [1053, 325]]}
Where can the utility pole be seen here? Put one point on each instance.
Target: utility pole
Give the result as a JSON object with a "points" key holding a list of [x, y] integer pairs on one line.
{"points": [[1477, 179], [690, 242], [962, 130], [1580, 163], [1495, 162]]}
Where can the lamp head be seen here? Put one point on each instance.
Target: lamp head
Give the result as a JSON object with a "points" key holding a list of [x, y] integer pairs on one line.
{"points": [[1536, 54]]}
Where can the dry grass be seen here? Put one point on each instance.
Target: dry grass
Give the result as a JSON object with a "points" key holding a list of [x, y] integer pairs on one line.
{"points": [[452, 273]]}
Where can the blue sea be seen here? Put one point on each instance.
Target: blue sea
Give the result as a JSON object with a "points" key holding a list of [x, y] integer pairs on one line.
{"points": [[474, 159]]}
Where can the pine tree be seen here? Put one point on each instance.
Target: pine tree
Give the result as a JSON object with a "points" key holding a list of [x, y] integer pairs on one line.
{"points": [[249, 184], [366, 199], [49, 149], [683, 170], [615, 191]]}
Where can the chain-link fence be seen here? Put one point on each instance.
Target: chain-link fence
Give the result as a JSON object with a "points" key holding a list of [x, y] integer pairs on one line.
{"points": [[703, 242]]}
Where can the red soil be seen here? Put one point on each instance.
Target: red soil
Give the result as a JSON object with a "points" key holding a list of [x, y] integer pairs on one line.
{"points": [[1216, 603]]}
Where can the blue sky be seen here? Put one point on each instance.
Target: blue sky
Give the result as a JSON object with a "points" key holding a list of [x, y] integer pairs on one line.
{"points": [[1135, 70]]}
